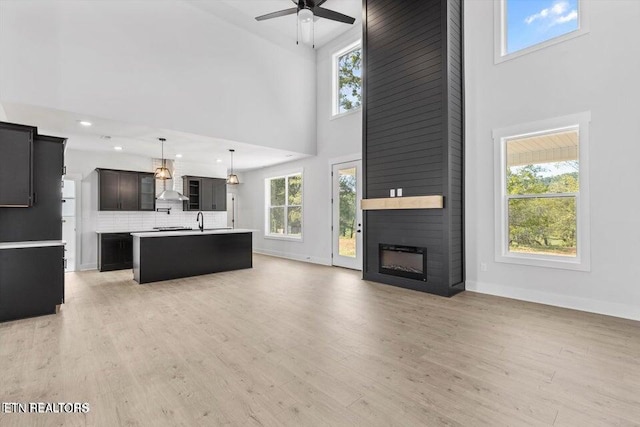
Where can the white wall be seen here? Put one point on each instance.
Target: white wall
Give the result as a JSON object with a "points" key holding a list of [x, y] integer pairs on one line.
{"points": [[82, 164], [336, 138], [164, 64], [597, 72], [3, 114]]}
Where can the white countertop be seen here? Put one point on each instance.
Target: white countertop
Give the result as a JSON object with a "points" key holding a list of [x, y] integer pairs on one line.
{"points": [[32, 244], [132, 231], [193, 232]]}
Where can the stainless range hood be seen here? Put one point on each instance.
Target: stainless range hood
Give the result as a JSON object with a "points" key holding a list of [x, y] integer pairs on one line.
{"points": [[172, 196]]}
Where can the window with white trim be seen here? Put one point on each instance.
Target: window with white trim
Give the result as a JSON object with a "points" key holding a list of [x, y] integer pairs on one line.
{"points": [[542, 195], [284, 206], [528, 25], [347, 79]]}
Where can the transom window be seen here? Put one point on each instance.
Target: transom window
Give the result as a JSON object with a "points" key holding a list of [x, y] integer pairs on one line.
{"points": [[284, 206], [540, 207], [527, 25], [347, 85]]}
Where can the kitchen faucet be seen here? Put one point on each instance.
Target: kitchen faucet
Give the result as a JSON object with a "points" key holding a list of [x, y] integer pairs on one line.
{"points": [[200, 221]]}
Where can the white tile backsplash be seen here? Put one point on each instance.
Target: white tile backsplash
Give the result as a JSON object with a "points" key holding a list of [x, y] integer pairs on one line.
{"points": [[142, 221]]}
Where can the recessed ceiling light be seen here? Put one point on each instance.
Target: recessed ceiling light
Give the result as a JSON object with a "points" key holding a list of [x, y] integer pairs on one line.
{"points": [[84, 123], [179, 156], [117, 148], [218, 160]]}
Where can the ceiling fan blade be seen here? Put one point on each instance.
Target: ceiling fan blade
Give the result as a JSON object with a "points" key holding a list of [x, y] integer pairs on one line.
{"points": [[320, 3], [334, 16], [278, 14]]}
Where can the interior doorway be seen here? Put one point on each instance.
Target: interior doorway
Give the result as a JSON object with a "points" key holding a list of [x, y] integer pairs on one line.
{"points": [[231, 210], [347, 217]]}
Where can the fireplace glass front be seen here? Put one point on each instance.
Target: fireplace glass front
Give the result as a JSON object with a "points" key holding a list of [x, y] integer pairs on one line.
{"points": [[403, 261]]}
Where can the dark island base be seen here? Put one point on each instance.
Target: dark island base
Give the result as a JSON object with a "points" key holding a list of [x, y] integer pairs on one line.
{"points": [[174, 257]]}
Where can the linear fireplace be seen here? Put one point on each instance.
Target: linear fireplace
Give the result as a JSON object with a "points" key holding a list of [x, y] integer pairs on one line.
{"points": [[403, 261]]}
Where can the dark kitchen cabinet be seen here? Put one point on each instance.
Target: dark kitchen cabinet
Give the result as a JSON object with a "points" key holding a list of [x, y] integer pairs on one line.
{"points": [[109, 189], [147, 192], [16, 165], [31, 274], [43, 220], [219, 194], [205, 194], [31, 281], [126, 190], [115, 251]]}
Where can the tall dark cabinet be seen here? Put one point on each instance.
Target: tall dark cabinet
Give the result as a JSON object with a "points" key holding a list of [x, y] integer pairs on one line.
{"points": [[413, 138], [31, 248]]}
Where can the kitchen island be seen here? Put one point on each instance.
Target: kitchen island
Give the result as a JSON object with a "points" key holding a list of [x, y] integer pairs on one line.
{"points": [[169, 255]]}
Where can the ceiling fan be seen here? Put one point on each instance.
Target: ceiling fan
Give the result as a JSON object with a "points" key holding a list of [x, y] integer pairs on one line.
{"points": [[306, 6]]}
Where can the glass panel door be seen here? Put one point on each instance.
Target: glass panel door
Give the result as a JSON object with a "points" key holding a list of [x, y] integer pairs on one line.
{"points": [[347, 216]]}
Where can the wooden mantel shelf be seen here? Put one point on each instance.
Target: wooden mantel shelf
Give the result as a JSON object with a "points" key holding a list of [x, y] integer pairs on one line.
{"points": [[418, 202]]}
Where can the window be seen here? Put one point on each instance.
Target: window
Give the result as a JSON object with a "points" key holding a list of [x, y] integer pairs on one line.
{"points": [[527, 25], [284, 206], [347, 84], [542, 194]]}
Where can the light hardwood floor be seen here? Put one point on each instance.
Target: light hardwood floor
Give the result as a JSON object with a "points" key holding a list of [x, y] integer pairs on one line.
{"points": [[289, 343]]}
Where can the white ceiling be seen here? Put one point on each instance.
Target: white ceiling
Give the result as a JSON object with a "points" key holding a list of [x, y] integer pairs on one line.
{"points": [[143, 140], [283, 29]]}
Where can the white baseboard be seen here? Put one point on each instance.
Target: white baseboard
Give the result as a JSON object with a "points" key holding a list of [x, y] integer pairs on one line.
{"points": [[624, 311], [295, 257], [87, 267]]}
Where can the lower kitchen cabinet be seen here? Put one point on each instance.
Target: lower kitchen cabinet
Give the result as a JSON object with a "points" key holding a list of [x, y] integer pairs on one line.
{"points": [[31, 281], [115, 251]]}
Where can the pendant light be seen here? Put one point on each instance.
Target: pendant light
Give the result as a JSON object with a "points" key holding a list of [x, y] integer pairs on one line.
{"points": [[232, 179], [163, 172]]}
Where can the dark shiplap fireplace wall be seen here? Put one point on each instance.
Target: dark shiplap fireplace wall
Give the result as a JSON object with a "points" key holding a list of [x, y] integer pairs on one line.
{"points": [[413, 135]]}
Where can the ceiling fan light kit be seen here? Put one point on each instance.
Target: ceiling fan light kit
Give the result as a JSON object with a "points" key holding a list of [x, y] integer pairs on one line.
{"points": [[308, 11]]}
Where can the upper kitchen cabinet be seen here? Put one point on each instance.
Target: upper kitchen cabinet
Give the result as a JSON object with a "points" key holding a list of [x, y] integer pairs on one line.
{"points": [[43, 220], [205, 194], [126, 190], [147, 191], [16, 165]]}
